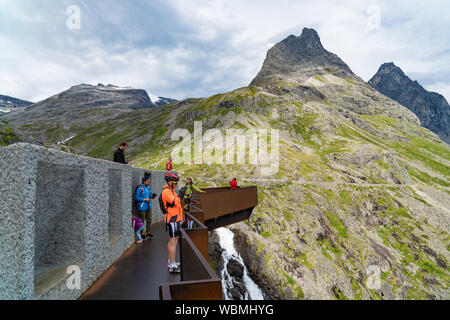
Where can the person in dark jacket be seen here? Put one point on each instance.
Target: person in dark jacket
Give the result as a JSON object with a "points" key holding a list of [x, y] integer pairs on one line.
{"points": [[119, 156]]}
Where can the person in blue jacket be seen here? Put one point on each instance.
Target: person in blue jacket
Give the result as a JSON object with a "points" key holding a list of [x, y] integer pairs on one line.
{"points": [[143, 196]]}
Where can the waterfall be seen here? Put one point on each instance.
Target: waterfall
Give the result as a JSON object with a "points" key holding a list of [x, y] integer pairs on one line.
{"points": [[229, 254]]}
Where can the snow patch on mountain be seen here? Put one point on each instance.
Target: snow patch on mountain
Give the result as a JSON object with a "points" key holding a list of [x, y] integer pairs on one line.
{"points": [[153, 97]]}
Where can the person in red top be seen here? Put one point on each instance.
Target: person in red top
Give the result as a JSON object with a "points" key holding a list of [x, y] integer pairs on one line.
{"points": [[169, 166], [233, 184]]}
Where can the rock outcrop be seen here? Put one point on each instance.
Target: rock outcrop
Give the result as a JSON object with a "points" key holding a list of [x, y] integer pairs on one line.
{"points": [[431, 108], [300, 58]]}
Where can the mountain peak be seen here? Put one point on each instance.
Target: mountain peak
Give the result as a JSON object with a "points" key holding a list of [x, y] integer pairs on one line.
{"points": [[391, 71], [432, 109], [311, 38], [300, 57], [388, 67], [308, 40]]}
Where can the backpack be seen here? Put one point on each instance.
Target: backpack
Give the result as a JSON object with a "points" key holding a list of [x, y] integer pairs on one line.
{"points": [[135, 203], [162, 206], [182, 192]]}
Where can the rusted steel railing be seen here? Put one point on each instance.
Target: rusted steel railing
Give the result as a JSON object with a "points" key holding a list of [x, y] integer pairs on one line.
{"points": [[216, 207], [198, 234], [210, 289], [197, 213], [224, 206], [198, 279]]}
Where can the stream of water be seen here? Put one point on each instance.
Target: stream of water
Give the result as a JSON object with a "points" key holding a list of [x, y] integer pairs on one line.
{"points": [[252, 291]]}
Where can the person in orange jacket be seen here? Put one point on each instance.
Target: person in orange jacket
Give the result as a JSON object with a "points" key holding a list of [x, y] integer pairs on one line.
{"points": [[173, 218]]}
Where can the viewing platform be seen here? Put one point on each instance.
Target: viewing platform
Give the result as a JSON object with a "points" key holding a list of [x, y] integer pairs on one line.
{"points": [[145, 264], [74, 213]]}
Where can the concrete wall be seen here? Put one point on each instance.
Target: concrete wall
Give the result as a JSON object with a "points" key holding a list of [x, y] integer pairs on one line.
{"points": [[58, 210]]}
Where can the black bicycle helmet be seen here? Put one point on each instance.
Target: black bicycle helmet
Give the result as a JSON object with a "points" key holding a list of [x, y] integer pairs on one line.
{"points": [[171, 177]]}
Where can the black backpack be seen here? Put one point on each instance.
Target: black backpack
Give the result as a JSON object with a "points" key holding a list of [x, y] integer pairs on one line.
{"points": [[182, 192], [161, 203]]}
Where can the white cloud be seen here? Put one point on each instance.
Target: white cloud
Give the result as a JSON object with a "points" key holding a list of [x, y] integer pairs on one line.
{"points": [[189, 48]]}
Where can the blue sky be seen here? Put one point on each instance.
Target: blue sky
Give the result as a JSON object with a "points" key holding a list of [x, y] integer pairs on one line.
{"points": [[196, 48]]}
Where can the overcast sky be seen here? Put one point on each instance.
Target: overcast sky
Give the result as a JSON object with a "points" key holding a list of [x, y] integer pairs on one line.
{"points": [[196, 48]]}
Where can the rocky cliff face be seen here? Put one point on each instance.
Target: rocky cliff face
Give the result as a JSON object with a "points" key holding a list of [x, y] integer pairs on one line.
{"points": [[431, 108], [300, 67], [300, 58], [361, 187]]}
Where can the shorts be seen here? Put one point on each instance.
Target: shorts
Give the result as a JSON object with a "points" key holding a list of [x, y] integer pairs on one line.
{"points": [[174, 227]]}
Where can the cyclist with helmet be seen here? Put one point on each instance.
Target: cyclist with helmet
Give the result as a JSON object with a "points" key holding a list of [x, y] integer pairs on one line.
{"points": [[173, 218]]}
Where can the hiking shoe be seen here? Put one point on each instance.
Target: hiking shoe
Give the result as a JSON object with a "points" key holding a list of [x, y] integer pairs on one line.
{"points": [[177, 263], [174, 268]]}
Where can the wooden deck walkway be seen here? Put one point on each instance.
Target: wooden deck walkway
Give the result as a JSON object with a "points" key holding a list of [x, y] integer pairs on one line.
{"points": [[137, 274]]}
